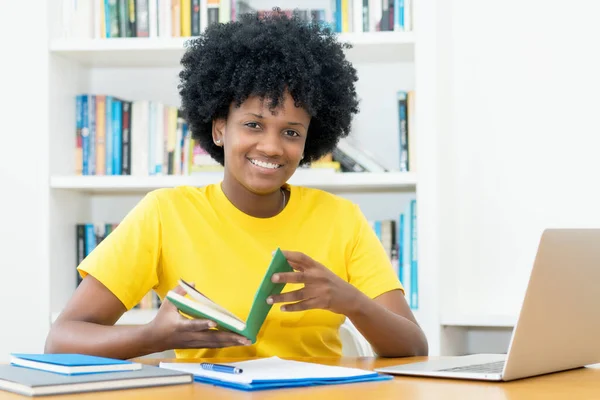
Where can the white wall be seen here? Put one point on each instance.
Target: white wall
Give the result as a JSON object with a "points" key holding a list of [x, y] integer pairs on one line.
{"points": [[522, 143], [23, 177]]}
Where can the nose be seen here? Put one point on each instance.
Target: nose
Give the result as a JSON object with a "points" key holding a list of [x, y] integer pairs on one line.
{"points": [[270, 144]]}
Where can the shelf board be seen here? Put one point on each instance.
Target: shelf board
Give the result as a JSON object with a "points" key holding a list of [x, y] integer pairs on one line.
{"points": [[167, 52], [325, 180], [484, 321]]}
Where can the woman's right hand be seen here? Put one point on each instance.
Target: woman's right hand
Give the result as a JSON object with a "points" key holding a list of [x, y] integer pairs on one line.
{"points": [[170, 330]]}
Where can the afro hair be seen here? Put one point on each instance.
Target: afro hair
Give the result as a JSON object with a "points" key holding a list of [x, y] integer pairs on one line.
{"points": [[267, 57]]}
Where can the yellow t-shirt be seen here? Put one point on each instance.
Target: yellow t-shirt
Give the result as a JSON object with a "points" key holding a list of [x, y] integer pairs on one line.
{"points": [[197, 234]]}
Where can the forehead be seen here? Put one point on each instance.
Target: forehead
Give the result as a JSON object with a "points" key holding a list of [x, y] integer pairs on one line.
{"points": [[256, 105]]}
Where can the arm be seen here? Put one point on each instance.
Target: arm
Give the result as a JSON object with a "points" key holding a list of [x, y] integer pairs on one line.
{"points": [[388, 324], [86, 326]]}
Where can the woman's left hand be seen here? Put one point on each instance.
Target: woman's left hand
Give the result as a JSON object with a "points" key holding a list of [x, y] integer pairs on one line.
{"points": [[322, 288]]}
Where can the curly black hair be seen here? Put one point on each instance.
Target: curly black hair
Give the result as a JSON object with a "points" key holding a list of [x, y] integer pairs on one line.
{"points": [[267, 56]]}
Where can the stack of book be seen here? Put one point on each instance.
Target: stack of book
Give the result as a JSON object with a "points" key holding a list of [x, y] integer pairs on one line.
{"points": [[50, 374]]}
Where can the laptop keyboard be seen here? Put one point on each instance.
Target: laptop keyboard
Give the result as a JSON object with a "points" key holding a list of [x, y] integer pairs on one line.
{"points": [[487, 368]]}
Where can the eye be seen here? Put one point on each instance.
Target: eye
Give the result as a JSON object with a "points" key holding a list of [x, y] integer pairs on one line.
{"points": [[292, 133], [252, 125]]}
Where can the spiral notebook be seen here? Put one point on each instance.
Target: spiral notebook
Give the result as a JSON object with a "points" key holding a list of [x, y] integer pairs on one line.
{"points": [[274, 372]]}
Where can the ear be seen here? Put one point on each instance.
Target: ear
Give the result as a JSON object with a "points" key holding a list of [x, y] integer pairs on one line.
{"points": [[218, 130]]}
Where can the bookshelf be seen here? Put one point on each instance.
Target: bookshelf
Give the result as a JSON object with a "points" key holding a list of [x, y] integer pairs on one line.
{"points": [[146, 68]]}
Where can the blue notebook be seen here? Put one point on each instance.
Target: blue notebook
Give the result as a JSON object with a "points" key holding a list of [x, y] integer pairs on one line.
{"points": [[72, 364], [274, 372]]}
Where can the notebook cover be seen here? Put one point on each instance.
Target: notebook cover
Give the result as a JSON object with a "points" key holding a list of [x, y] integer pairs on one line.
{"points": [[266, 385], [260, 308], [59, 383], [70, 360]]}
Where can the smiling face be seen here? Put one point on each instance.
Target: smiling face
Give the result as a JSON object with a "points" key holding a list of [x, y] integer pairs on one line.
{"points": [[262, 148]]}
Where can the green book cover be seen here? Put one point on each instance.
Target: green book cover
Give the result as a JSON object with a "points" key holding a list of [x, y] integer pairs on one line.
{"points": [[202, 307]]}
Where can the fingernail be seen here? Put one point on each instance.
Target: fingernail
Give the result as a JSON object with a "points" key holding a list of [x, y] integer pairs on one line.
{"points": [[269, 300], [212, 324], [275, 278]]}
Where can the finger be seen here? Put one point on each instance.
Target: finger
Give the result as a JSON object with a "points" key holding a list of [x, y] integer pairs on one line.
{"points": [[296, 295], [196, 325], [298, 258], [291, 277], [308, 304]]}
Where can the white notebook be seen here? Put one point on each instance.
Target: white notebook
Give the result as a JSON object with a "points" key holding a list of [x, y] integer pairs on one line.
{"points": [[276, 372]]}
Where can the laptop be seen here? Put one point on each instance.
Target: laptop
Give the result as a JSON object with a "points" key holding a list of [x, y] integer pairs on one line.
{"points": [[558, 327]]}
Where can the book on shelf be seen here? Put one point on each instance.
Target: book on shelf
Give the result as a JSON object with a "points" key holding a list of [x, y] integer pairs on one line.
{"points": [[399, 240], [110, 19], [406, 129], [199, 306], [115, 136], [87, 237]]}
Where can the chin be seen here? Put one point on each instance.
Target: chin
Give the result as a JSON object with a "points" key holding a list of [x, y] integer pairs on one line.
{"points": [[262, 186]]}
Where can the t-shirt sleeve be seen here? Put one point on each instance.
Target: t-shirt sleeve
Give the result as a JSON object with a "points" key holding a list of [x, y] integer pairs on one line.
{"points": [[369, 267], [126, 261]]}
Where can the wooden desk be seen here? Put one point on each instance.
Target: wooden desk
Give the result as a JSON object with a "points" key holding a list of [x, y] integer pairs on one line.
{"points": [[578, 384]]}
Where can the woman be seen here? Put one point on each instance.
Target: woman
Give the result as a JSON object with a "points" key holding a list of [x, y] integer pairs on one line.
{"points": [[262, 96]]}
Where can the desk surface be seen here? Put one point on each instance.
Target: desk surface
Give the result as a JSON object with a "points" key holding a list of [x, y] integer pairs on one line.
{"points": [[578, 384]]}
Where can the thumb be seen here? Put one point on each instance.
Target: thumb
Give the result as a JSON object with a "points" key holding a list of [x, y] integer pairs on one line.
{"points": [[180, 290]]}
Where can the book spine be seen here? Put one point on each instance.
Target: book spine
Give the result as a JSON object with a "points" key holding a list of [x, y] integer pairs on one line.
{"points": [[78, 137], [108, 138], [100, 135], [131, 13], [153, 18], [117, 140], [126, 140], [92, 135], [403, 130], [186, 22], [114, 19], [195, 17], [142, 19], [80, 248], [90, 239], [414, 283], [85, 134]]}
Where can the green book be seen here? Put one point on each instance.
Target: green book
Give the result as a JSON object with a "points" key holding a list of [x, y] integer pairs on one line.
{"points": [[200, 306]]}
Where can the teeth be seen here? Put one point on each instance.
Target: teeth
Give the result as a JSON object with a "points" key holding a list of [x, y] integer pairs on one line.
{"points": [[264, 164]]}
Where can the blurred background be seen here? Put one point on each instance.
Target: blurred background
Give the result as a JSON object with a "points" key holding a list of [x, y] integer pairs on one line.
{"points": [[477, 130]]}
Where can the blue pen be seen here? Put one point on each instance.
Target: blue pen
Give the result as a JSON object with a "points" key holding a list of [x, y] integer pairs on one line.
{"points": [[228, 369]]}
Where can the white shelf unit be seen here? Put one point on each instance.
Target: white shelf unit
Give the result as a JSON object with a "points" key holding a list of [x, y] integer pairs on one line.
{"points": [[147, 69]]}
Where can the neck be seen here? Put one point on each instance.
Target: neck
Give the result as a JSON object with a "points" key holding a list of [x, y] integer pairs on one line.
{"points": [[255, 205]]}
